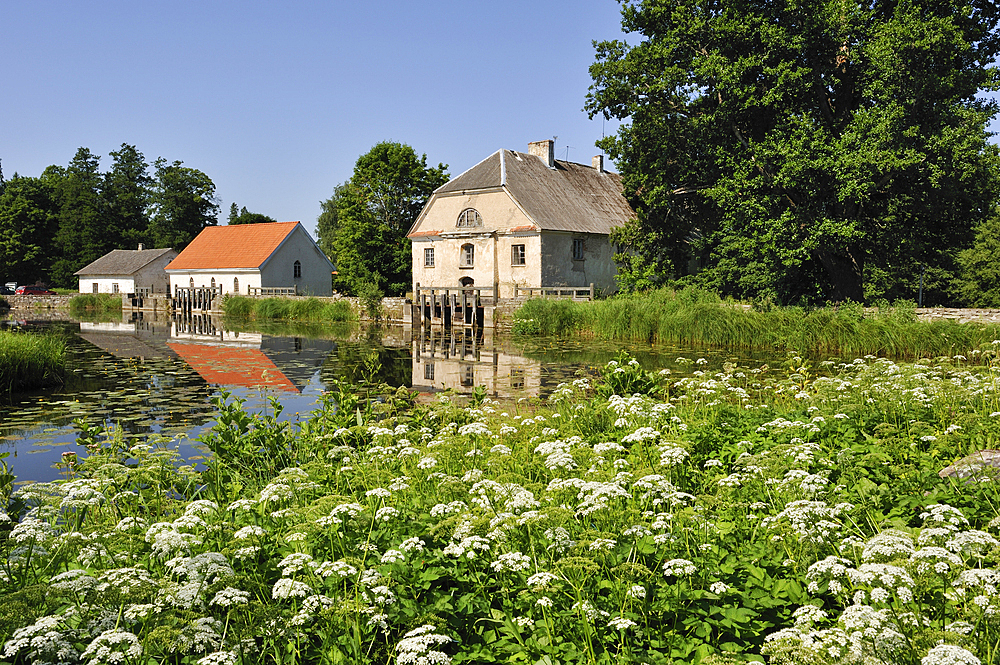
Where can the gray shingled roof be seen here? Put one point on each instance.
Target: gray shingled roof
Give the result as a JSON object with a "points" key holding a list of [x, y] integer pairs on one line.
{"points": [[570, 197], [122, 261]]}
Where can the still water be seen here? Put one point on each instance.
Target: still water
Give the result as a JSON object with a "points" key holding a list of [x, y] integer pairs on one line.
{"points": [[157, 376]]}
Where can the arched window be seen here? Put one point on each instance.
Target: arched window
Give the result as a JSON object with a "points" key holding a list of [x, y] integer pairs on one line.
{"points": [[468, 258], [469, 217], [213, 283], [297, 270], [236, 284], [192, 282]]}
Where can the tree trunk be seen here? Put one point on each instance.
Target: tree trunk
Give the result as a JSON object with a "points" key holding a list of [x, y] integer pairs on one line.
{"points": [[845, 270]]}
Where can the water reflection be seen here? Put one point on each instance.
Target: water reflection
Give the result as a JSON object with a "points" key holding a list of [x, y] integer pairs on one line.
{"points": [[154, 375], [462, 359]]}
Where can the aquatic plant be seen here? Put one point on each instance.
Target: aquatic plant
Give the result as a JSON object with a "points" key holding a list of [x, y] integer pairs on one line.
{"points": [[95, 303], [286, 309], [695, 317], [29, 361]]}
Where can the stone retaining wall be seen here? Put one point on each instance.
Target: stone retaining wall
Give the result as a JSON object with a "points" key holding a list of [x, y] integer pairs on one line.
{"points": [[36, 303]]}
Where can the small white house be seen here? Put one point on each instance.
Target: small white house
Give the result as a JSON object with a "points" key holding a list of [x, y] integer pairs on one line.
{"points": [[245, 257], [127, 271]]}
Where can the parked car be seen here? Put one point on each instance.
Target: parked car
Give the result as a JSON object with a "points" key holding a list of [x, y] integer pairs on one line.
{"points": [[8, 289], [33, 291]]}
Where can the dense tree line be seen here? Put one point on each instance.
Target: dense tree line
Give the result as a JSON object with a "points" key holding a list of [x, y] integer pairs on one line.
{"points": [[54, 224], [806, 151]]}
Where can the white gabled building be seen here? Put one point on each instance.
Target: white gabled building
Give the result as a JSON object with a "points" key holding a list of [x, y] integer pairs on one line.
{"points": [[127, 271], [242, 257]]}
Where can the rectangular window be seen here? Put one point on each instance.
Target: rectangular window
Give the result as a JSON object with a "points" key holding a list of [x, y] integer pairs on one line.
{"points": [[516, 377], [429, 371], [517, 255], [577, 249], [468, 255], [468, 376], [114, 287], [95, 287], [429, 257]]}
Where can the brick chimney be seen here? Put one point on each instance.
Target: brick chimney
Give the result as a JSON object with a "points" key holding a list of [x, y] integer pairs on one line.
{"points": [[597, 162], [545, 151]]}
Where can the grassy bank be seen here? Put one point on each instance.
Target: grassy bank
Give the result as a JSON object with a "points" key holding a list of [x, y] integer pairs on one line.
{"points": [[286, 309], [724, 518], [693, 317], [95, 303], [30, 361]]}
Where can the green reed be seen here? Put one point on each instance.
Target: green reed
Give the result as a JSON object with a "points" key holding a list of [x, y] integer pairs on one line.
{"points": [[95, 303], [287, 309], [30, 361], [694, 317]]}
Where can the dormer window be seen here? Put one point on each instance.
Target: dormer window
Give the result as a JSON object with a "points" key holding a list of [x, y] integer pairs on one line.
{"points": [[469, 217]]}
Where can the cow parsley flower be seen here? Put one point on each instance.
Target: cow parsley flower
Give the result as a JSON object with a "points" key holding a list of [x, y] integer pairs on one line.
{"points": [[678, 568], [421, 645]]}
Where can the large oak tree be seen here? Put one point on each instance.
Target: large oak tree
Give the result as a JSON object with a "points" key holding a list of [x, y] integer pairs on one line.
{"points": [[802, 149]]}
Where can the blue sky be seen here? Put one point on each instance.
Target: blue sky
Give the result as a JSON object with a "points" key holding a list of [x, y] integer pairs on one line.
{"points": [[276, 101]]}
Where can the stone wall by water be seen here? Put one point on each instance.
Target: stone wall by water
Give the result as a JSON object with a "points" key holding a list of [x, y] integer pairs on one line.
{"points": [[38, 303]]}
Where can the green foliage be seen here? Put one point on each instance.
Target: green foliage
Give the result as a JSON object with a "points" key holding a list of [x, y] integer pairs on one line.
{"points": [[327, 222], [375, 210], [29, 362], [604, 526], [286, 309], [805, 152], [53, 225], [244, 216], [182, 204], [978, 284], [27, 225], [371, 297], [693, 316], [95, 303], [547, 317]]}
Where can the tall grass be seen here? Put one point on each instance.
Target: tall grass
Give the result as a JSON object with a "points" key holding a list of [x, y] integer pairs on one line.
{"points": [[694, 317], [95, 303], [30, 361], [286, 309]]}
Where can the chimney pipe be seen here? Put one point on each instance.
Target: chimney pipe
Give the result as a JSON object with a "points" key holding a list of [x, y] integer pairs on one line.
{"points": [[545, 151], [141, 247], [597, 161]]}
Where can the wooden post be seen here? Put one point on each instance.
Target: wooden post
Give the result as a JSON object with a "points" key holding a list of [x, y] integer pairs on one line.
{"points": [[591, 290], [465, 305]]}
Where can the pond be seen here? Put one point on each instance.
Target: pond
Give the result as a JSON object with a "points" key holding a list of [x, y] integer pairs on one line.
{"points": [[157, 377]]}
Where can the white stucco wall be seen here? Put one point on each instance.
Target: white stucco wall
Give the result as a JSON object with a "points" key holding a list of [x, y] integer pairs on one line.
{"points": [[105, 284], [559, 268], [224, 278], [316, 277]]}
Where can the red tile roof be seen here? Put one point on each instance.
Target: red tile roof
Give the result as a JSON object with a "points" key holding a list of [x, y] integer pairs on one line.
{"points": [[238, 246], [228, 366]]}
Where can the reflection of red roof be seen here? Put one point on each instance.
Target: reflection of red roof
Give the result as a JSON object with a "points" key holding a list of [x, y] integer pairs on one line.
{"points": [[233, 366], [238, 246]]}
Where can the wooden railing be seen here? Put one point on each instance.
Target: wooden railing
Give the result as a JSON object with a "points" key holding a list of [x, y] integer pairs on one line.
{"points": [[273, 290], [189, 299], [573, 292]]}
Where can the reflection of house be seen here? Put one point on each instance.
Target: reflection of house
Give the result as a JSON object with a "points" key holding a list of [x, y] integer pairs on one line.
{"points": [[226, 365], [524, 219], [457, 360], [250, 360], [127, 339], [236, 259], [127, 271]]}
